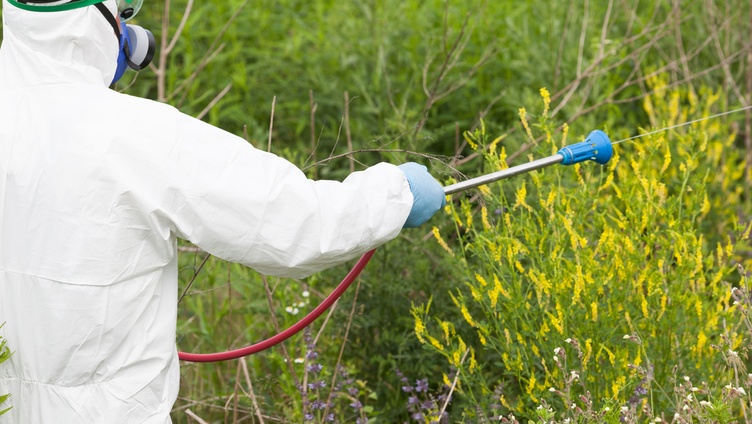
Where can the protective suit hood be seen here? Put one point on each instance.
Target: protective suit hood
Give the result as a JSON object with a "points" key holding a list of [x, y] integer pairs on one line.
{"points": [[74, 46]]}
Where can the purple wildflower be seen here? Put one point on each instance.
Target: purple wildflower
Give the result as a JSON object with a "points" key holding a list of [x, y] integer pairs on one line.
{"points": [[315, 368]]}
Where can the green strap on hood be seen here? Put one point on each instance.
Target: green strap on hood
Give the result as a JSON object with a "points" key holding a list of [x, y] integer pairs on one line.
{"points": [[41, 7]]}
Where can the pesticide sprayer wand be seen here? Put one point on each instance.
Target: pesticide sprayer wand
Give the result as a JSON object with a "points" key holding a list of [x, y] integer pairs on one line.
{"points": [[596, 147]]}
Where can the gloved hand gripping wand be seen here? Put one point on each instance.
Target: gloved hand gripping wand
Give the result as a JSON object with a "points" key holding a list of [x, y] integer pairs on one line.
{"points": [[596, 147]]}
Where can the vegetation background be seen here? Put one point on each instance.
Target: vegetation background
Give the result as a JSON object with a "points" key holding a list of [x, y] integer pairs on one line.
{"points": [[338, 86]]}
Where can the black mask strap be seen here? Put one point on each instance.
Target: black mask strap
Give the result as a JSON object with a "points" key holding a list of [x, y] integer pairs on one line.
{"points": [[110, 18]]}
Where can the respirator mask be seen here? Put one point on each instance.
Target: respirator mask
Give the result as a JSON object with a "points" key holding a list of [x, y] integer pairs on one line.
{"points": [[136, 44]]}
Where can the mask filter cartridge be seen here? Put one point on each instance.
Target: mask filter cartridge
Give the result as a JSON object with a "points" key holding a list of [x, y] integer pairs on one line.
{"points": [[139, 48]]}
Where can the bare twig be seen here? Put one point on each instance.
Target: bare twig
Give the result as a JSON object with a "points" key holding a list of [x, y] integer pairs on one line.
{"points": [[214, 101], [195, 274], [271, 125], [313, 106], [251, 392], [748, 116], [342, 347], [194, 416], [454, 385], [347, 131], [277, 329]]}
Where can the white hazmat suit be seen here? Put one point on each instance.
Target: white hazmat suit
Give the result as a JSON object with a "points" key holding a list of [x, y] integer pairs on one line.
{"points": [[95, 188]]}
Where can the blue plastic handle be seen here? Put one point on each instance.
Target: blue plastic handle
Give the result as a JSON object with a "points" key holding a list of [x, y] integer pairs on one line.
{"points": [[596, 147]]}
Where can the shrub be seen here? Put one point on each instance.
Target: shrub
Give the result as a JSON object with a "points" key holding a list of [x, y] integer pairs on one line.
{"points": [[592, 288]]}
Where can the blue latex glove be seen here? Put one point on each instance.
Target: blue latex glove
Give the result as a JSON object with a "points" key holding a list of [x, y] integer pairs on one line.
{"points": [[428, 195]]}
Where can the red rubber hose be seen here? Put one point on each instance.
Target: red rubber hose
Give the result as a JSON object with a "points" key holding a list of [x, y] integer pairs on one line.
{"points": [[294, 329]]}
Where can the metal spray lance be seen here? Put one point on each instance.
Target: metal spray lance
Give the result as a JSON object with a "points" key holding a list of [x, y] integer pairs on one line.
{"points": [[596, 147]]}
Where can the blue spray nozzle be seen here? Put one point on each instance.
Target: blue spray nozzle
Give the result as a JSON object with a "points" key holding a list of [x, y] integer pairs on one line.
{"points": [[597, 147]]}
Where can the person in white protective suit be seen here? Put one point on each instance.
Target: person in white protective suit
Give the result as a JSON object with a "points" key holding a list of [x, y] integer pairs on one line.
{"points": [[96, 186]]}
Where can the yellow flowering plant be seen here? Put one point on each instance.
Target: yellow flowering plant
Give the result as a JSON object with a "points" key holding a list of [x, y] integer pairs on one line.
{"points": [[590, 288]]}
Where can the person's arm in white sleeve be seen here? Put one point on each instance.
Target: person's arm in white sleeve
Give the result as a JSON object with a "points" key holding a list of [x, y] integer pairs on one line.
{"points": [[245, 205]]}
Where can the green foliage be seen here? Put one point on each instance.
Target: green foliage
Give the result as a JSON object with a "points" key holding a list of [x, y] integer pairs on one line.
{"points": [[5, 354], [630, 268]]}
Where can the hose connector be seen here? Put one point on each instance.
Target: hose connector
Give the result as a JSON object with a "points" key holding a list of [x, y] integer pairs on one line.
{"points": [[597, 147]]}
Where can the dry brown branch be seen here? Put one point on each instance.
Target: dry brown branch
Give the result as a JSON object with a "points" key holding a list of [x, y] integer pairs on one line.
{"points": [[342, 347], [271, 125], [439, 89], [211, 52], [251, 392], [347, 131], [312, 107], [214, 101], [191, 415], [181, 26], [277, 329], [730, 80]]}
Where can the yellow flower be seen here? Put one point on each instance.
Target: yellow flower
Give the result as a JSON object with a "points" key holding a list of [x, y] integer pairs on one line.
{"points": [[588, 352], [435, 343], [594, 311], [546, 99], [519, 198], [441, 241], [445, 327], [523, 119], [482, 338], [420, 327], [469, 139], [530, 384], [466, 315], [702, 339], [498, 287], [473, 364], [484, 216], [666, 159]]}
